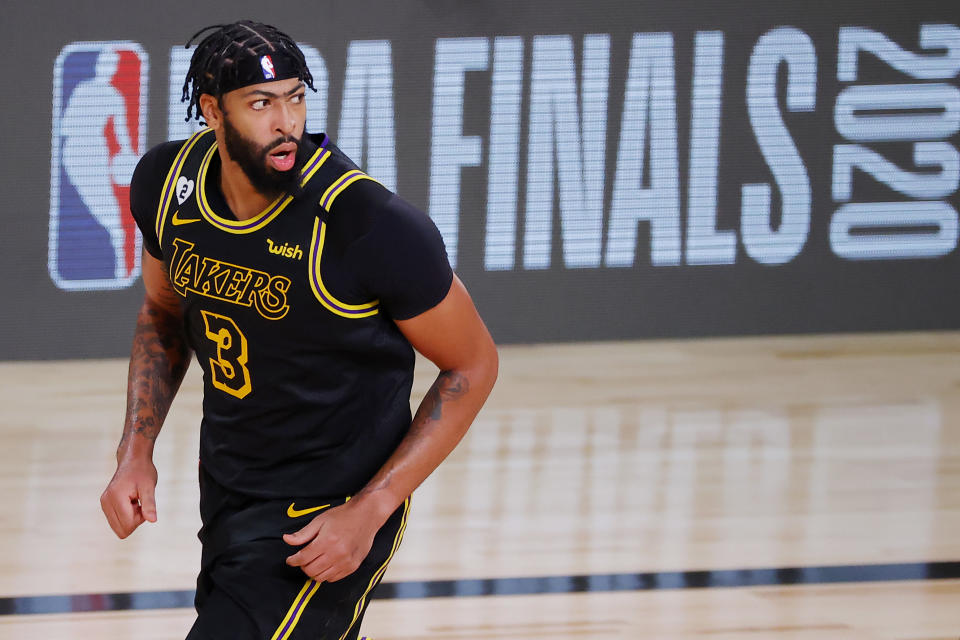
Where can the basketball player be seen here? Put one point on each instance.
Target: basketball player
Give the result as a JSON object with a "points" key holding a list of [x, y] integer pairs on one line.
{"points": [[302, 285]]}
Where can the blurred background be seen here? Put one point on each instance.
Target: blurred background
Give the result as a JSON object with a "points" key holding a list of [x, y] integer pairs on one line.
{"points": [[603, 170]]}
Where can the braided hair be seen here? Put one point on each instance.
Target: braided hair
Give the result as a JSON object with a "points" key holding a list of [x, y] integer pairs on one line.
{"points": [[215, 67]]}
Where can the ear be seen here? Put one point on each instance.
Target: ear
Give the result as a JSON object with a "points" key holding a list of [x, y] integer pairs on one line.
{"points": [[210, 108]]}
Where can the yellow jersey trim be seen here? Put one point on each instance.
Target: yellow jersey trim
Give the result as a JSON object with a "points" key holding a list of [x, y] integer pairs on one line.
{"points": [[289, 622], [295, 611], [263, 218], [170, 183], [320, 291], [338, 186], [383, 568]]}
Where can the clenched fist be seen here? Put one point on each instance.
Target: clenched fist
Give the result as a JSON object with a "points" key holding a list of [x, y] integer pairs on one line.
{"points": [[128, 500]]}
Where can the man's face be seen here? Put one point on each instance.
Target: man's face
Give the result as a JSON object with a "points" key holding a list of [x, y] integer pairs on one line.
{"points": [[263, 125]]}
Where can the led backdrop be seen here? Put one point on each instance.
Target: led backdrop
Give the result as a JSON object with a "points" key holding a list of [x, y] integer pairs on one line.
{"points": [[598, 170]]}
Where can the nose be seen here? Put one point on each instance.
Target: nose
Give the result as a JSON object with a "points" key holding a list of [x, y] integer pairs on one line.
{"points": [[286, 119]]}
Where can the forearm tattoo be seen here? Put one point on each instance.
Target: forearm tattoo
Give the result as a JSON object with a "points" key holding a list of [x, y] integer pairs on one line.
{"points": [[158, 361], [449, 386]]}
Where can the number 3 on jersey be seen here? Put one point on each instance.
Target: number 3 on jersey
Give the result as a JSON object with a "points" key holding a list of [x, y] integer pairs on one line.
{"points": [[228, 370]]}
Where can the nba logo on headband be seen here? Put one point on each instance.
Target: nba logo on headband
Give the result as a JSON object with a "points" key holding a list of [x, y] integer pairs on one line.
{"points": [[267, 65]]}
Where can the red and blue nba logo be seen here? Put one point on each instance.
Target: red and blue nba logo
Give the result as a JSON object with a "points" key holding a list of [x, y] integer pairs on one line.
{"points": [[266, 63], [99, 132]]}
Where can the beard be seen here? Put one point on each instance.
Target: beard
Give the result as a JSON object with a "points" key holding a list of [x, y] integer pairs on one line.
{"points": [[252, 159]]}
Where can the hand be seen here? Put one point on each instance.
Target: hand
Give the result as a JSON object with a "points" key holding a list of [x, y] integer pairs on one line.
{"points": [[336, 542], [128, 501]]}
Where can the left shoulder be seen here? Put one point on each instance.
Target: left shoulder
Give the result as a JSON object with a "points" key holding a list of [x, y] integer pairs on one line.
{"points": [[369, 206], [357, 204], [338, 183]]}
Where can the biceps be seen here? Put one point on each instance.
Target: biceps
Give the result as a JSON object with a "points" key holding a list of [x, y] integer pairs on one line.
{"points": [[157, 284], [452, 334]]}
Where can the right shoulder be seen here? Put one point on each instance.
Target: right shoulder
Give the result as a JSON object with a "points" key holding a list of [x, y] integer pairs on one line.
{"points": [[155, 163], [145, 187]]}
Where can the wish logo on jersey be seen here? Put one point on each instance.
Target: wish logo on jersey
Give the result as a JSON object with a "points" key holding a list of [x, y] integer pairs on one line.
{"points": [[99, 131]]}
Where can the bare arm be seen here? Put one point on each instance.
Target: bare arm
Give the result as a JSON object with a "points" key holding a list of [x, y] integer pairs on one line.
{"points": [[158, 360], [453, 337]]}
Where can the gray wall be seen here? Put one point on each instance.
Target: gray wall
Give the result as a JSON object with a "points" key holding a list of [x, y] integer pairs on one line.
{"points": [[600, 170]]}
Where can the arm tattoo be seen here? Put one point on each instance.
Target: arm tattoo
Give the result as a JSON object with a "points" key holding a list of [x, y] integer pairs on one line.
{"points": [[158, 361], [449, 385]]}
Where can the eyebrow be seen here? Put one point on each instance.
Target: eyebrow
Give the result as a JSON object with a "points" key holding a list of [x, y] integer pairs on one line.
{"points": [[269, 94]]}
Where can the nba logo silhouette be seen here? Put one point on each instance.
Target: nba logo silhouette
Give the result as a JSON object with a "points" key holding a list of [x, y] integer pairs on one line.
{"points": [[266, 63], [99, 131]]}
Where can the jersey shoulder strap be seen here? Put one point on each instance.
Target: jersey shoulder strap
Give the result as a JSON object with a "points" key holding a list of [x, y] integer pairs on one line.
{"points": [[336, 175], [177, 185], [333, 178]]}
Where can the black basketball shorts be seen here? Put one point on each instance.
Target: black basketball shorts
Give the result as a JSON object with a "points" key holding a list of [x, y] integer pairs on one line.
{"points": [[245, 589]]}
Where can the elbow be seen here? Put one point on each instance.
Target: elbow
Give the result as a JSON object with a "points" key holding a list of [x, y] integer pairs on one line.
{"points": [[481, 369], [490, 368]]}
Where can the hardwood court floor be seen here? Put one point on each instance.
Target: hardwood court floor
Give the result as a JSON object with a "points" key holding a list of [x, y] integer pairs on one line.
{"points": [[590, 459]]}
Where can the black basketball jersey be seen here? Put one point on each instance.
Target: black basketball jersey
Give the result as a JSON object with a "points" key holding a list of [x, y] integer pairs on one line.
{"points": [[290, 313]]}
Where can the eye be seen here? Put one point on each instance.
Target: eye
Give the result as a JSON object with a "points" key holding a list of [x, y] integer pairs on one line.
{"points": [[298, 99], [260, 105]]}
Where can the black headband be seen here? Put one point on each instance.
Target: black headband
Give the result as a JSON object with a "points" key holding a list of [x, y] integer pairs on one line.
{"points": [[276, 65]]}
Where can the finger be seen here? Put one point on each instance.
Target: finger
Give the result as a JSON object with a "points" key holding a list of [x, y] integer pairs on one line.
{"points": [[317, 568], [306, 555], [300, 558], [117, 525], [304, 535], [148, 503], [334, 573], [111, 515], [125, 526], [106, 508], [128, 514], [108, 503], [137, 519], [340, 570]]}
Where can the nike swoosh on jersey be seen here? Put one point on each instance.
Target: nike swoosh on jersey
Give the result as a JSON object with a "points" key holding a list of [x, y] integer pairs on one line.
{"points": [[296, 513], [177, 220]]}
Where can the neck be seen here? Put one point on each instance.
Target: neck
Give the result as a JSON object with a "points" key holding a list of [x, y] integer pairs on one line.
{"points": [[244, 200]]}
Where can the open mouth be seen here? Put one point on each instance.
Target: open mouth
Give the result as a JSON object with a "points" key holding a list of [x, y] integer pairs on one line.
{"points": [[283, 156]]}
